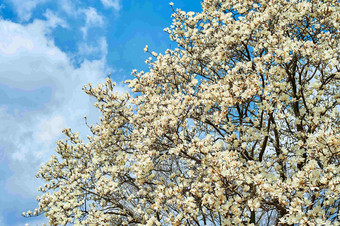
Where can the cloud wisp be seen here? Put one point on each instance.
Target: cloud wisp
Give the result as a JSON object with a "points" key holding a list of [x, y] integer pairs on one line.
{"points": [[24, 8], [115, 4]]}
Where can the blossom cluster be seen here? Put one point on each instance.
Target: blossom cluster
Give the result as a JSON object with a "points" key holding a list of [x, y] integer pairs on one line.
{"points": [[237, 125]]}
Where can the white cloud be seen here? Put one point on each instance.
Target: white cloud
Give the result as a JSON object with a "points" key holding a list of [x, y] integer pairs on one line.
{"points": [[115, 4], [24, 8], [50, 128], [53, 20], [92, 19], [27, 55], [90, 16], [68, 7], [30, 60], [98, 49]]}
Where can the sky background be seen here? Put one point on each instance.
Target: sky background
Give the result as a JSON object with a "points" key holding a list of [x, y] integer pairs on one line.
{"points": [[48, 50]]}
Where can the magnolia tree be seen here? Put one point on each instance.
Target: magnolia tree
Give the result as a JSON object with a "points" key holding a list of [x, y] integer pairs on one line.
{"points": [[237, 125]]}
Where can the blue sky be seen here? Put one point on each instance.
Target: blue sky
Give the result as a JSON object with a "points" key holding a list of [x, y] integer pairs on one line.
{"points": [[48, 50]]}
